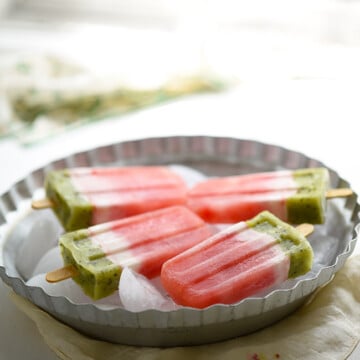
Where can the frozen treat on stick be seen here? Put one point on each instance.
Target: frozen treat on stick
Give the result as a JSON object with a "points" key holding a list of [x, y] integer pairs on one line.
{"points": [[95, 257], [81, 197], [238, 262], [295, 196]]}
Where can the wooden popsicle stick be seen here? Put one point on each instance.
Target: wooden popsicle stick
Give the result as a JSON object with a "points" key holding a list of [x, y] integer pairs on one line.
{"points": [[341, 192], [305, 229], [61, 274], [42, 204]]}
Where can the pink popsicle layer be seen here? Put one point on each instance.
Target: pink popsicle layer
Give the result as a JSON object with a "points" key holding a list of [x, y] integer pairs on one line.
{"points": [[115, 193], [238, 198], [225, 268], [144, 242]]}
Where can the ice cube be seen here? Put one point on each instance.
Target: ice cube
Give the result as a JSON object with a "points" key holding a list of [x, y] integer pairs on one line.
{"points": [[190, 175], [50, 261], [39, 238], [137, 293]]}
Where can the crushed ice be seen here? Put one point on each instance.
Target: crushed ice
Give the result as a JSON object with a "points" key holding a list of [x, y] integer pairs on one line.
{"points": [[50, 261], [39, 237], [190, 175], [137, 293]]}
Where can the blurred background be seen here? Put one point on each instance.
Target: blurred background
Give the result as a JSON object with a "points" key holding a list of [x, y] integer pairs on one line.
{"points": [[145, 44], [227, 36], [71, 69], [65, 65]]}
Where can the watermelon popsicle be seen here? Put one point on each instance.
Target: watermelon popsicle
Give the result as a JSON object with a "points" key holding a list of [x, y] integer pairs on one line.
{"points": [[295, 196], [238, 262], [81, 197], [95, 257]]}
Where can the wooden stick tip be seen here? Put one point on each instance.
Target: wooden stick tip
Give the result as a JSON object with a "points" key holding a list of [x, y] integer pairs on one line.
{"points": [[42, 204], [337, 193], [61, 274], [305, 229]]}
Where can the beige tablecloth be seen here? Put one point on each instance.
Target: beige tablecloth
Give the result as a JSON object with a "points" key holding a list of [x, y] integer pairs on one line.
{"points": [[326, 328]]}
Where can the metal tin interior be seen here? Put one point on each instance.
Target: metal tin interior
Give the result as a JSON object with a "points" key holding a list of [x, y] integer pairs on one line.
{"points": [[213, 156]]}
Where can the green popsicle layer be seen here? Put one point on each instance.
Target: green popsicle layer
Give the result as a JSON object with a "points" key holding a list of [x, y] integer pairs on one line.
{"points": [[71, 208], [97, 275], [309, 203], [291, 241]]}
